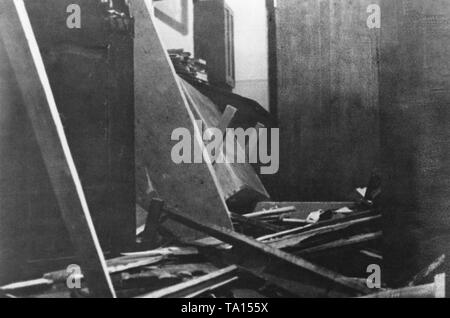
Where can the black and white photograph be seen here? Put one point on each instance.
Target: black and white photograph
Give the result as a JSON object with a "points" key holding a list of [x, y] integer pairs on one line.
{"points": [[225, 154]]}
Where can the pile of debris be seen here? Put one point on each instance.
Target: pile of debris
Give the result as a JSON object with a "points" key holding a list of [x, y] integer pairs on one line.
{"points": [[289, 249], [281, 249]]}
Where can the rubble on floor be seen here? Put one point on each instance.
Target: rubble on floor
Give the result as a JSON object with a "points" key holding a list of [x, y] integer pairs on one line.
{"points": [[275, 252]]}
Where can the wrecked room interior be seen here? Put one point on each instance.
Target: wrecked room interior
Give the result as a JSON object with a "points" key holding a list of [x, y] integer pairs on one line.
{"points": [[224, 149]]}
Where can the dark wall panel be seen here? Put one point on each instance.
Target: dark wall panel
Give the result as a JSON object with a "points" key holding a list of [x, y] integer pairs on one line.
{"points": [[327, 97], [91, 74], [415, 130]]}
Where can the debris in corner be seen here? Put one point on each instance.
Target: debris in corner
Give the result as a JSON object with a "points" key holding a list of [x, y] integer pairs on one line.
{"points": [[186, 66]]}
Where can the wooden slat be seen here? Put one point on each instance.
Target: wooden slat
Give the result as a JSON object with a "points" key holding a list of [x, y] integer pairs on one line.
{"points": [[197, 286], [434, 290], [226, 119], [338, 244], [295, 239], [242, 241], [303, 209], [321, 226], [423, 274], [26, 61], [255, 223], [116, 265]]}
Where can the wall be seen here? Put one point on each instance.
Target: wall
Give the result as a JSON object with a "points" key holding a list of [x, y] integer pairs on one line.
{"points": [[251, 49], [175, 23], [415, 131], [18, 151], [328, 98]]}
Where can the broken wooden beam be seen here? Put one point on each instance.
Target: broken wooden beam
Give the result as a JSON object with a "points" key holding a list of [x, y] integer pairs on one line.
{"points": [[356, 219], [254, 223], [226, 119], [433, 290], [372, 254], [115, 266], [296, 239], [423, 274], [242, 241], [166, 251], [302, 209], [341, 243], [34, 283], [197, 286], [271, 212]]}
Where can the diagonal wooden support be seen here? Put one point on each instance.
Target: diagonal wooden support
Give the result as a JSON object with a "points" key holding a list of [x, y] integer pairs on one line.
{"points": [[239, 240], [26, 61], [198, 286]]}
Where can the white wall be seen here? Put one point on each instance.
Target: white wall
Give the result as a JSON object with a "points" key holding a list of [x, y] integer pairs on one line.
{"points": [[172, 37], [251, 46]]}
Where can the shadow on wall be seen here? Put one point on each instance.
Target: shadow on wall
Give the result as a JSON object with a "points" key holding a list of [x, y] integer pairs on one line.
{"points": [[182, 25]]}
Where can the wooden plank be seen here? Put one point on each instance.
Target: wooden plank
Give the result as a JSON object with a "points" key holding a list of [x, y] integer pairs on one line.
{"points": [[240, 183], [160, 108], [197, 286], [242, 241], [35, 283], [271, 212], [321, 226], [295, 287], [296, 239], [116, 265], [226, 119], [434, 290], [341, 243], [26, 61], [224, 123], [372, 254]]}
